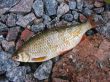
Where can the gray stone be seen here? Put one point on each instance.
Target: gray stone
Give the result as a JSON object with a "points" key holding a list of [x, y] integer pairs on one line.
{"points": [[17, 74], [4, 56], [88, 4], [99, 10], [4, 80], [3, 18], [72, 4], [8, 45], [87, 11], [80, 5], [11, 20], [68, 17], [38, 20], [30, 78], [5, 5], [105, 30], [25, 20], [38, 7], [24, 6], [44, 70], [47, 19], [1, 38], [98, 3], [12, 34], [62, 9], [37, 28], [9, 64], [51, 7], [3, 27], [75, 15]]}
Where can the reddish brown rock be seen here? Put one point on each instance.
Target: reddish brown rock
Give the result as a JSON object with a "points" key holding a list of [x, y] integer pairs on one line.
{"points": [[82, 18], [87, 62], [19, 44], [26, 34]]}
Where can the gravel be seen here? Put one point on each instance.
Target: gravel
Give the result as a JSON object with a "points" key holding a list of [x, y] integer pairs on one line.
{"points": [[43, 71], [37, 28], [50, 7], [72, 4], [62, 9], [68, 17], [38, 7]]}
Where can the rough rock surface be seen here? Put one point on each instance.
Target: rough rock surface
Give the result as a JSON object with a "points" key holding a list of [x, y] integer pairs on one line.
{"points": [[23, 6], [87, 62], [38, 7], [43, 71]]}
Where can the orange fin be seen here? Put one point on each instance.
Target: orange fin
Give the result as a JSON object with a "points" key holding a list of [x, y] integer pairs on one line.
{"points": [[40, 59]]}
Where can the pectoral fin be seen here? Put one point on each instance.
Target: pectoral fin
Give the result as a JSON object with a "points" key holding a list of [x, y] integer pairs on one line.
{"points": [[39, 59]]}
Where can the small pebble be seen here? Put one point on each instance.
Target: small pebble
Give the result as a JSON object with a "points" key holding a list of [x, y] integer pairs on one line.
{"points": [[80, 5], [12, 34], [98, 3], [26, 34], [3, 18], [4, 56], [72, 4], [11, 20], [99, 10], [38, 28], [38, 20], [75, 15], [87, 12], [44, 70], [68, 17], [25, 20], [50, 7], [82, 18], [38, 7], [7, 46], [3, 27], [47, 19], [17, 74], [62, 9]]}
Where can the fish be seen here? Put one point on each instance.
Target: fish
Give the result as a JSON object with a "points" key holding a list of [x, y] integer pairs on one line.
{"points": [[51, 43]]}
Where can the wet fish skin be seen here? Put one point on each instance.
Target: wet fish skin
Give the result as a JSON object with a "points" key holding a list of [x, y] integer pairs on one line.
{"points": [[51, 43]]}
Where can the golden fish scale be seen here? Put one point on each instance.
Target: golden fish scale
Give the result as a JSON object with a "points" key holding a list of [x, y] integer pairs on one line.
{"points": [[52, 42]]}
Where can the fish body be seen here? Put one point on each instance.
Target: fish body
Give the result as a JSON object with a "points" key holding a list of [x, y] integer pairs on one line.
{"points": [[51, 43]]}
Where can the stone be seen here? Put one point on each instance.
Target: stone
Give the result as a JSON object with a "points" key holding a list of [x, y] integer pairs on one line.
{"points": [[75, 15], [4, 80], [50, 7], [38, 7], [98, 3], [68, 17], [8, 45], [26, 35], [30, 78], [82, 63], [62, 9], [1, 38], [59, 80], [72, 4], [17, 74], [89, 4], [38, 20], [12, 34], [24, 6], [3, 27], [82, 18], [10, 64], [80, 4], [87, 12], [105, 30], [19, 44], [46, 19], [99, 10], [4, 56], [25, 20], [5, 5], [3, 18], [11, 20], [43, 71], [37, 28]]}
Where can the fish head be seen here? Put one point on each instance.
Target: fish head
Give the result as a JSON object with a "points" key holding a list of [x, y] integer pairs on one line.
{"points": [[21, 56]]}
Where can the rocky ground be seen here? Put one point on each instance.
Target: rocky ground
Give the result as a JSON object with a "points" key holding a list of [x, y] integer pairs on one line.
{"points": [[89, 61]]}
